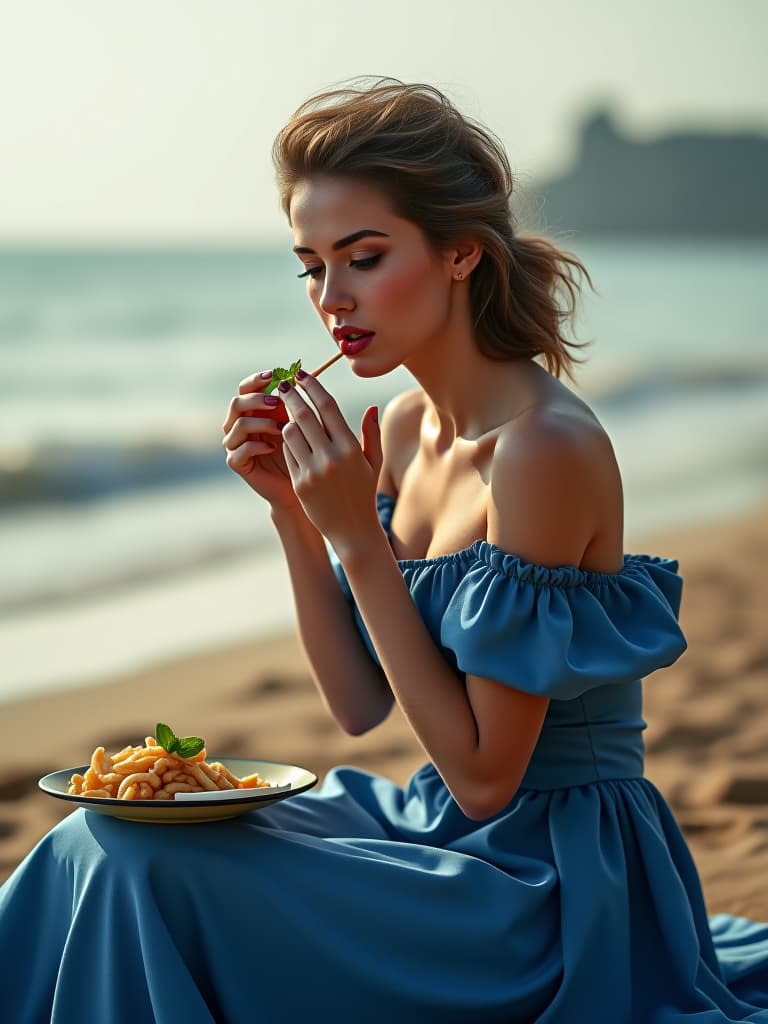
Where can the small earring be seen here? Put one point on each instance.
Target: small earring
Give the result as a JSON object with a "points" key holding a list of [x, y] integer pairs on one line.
{"points": [[459, 276]]}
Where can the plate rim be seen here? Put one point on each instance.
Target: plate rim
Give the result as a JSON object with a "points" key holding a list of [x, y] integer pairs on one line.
{"points": [[249, 796]]}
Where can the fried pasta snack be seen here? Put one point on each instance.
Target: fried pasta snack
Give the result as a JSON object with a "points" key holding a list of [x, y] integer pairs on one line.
{"points": [[149, 772]]}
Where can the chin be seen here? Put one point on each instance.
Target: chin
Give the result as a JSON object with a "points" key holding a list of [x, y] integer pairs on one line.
{"points": [[370, 368], [367, 372]]}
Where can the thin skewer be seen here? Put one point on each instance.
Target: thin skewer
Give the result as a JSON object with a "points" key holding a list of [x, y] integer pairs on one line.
{"points": [[327, 363]]}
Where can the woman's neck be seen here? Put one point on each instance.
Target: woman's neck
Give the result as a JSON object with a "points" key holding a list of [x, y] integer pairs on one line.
{"points": [[471, 394]]}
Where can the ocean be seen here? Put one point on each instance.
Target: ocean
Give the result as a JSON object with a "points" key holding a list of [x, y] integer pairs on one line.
{"points": [[123, 536]]}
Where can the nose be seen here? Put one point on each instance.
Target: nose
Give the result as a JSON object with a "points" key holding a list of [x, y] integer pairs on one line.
{"points": [[334, 298]]}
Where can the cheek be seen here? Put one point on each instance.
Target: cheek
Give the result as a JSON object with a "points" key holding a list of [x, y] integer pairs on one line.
{"points": [[409, 288]]}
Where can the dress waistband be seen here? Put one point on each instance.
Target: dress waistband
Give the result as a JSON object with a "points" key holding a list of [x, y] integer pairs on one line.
{"points": [[546, 777], [576, 755]]}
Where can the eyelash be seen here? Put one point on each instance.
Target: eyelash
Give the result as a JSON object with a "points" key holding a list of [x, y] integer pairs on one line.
{"points": [[365, 264]]}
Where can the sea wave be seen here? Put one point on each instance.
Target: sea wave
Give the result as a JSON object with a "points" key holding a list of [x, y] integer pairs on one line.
{"points": [[71, 471], [705, 381]]}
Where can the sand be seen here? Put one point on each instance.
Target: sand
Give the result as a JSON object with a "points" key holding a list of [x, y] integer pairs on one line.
{"points": [[707, 740]]}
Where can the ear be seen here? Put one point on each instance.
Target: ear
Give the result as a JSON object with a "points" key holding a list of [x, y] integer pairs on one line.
{"points": [[463, 257]]}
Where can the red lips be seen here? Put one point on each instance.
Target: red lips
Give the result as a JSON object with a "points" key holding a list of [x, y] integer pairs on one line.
{"points": [[352, 339], [342, 333]]}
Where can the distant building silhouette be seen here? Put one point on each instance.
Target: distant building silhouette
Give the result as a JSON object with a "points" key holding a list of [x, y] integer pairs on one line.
{"points": [[687, 183]]}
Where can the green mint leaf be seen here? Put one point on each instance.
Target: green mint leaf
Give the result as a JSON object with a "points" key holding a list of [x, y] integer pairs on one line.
{"points": [[280, 373], [166, 737], [188, 746]]}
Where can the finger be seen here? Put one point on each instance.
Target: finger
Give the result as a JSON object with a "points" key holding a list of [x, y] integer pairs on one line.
{"points": [[256, 382], [241, 459], [326, 405], [295, 442], [246, 427], [304, 417], [371, 439], [293, 467], [248, 403]]}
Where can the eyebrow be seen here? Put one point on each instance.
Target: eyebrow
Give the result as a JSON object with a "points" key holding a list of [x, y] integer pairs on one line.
{"points": [[344, 242]]}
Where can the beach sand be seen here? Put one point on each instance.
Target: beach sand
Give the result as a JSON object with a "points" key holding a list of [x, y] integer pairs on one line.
{"points": [[707, 716]]}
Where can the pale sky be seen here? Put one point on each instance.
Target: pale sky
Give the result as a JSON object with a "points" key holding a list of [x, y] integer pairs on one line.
{"points": [[152, 120]]}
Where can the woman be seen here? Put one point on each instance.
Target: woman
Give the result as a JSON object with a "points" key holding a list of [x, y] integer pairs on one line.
{"points": [[466, 562]]}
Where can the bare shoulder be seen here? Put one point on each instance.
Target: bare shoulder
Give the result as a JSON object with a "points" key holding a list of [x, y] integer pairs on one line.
{"points": [[566, 434], [556, 493], [400, 430]]}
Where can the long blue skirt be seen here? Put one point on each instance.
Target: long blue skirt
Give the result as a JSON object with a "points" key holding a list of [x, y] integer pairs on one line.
{"points": [[369, 902]]}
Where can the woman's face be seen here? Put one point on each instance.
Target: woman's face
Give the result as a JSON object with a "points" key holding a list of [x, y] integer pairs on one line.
{"points": [[368, 269]]}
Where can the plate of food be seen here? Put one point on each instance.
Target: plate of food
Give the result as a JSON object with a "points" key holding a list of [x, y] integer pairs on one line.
{"points": [[167, 779]]}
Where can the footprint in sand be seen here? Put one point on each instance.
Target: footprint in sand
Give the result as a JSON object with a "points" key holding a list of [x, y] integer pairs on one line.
{"points": [[732, 787], [747, 789], [8, 829], [269, 686], [17, 787]]}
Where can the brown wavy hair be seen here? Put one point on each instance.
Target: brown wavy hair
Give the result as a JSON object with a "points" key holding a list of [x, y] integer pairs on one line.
{"points": [[451, 177]]}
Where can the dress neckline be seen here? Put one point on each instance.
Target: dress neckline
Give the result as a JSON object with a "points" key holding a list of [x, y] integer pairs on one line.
{"points": [[451, 556], [510, 564]]}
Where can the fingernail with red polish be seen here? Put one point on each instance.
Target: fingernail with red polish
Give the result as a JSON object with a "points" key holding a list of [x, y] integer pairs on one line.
{"points": [[284, 386], [301, 374], [271, 400], [266, 374]]}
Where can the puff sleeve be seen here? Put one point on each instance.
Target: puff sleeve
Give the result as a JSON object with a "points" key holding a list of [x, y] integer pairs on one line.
{"points": [[559, 632]]}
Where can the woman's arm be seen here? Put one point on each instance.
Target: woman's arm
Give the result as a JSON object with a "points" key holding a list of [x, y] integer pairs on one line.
{"points": [[481, 735], [353, 686]]}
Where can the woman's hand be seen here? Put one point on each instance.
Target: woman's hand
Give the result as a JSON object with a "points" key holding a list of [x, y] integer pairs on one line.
{"points": [[253, 442], [334, 477]]}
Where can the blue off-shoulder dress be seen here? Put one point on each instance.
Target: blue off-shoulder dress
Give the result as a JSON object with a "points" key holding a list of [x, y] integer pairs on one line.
{"points": [[577, 904]]}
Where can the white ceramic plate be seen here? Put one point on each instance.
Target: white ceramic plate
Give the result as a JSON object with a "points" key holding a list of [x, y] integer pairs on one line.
{"points": [[190, 811]]}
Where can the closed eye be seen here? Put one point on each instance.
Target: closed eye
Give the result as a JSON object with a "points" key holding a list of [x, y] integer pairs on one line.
{"points": [[369, 261]]}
